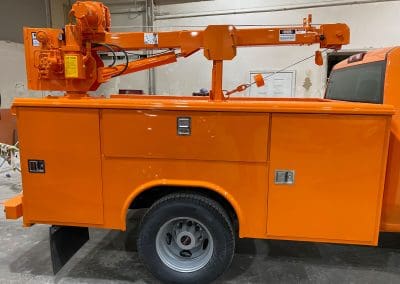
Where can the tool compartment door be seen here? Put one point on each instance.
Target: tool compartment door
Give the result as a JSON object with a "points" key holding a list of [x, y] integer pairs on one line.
{"points": [[338, 163], [69, 190]]}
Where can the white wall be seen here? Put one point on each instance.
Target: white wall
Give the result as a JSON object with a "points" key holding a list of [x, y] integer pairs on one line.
{"points": [[240, 5], [12, 73], [16, 14], [126, 22], [372, 25]]}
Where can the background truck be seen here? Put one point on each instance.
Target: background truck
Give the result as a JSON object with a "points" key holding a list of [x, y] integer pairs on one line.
{"points": [[209, 169]]}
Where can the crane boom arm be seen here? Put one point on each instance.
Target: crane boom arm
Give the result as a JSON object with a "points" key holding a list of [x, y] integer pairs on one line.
{"points": [[328, 36]]}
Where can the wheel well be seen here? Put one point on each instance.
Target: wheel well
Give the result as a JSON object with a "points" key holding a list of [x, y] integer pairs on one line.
{"points": [[146, 198]]}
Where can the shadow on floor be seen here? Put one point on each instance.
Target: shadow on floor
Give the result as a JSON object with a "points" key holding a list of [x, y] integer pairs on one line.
{"points": [[111, 255], [35, 261]]}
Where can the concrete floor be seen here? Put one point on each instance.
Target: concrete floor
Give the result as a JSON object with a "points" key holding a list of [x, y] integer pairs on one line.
{"points": [[110, 256]]}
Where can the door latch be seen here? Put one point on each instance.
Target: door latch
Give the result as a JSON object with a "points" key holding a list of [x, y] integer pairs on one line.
{"points": [[284, 176]]}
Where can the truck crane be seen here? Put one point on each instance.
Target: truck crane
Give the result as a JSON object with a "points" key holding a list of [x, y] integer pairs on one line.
{"points": [[208, 169]]}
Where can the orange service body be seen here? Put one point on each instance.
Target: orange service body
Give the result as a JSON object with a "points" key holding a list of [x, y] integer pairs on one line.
{"points": [[103, 156]]}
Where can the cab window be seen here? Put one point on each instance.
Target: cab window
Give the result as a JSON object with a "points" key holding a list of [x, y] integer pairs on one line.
{"points": [[361, 83]]}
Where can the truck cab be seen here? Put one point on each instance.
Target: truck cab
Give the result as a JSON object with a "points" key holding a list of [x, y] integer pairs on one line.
{"points": [[372, 77]]}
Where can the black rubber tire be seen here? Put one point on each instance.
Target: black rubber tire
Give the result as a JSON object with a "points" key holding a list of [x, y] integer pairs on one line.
{"points": [[196, 206]]}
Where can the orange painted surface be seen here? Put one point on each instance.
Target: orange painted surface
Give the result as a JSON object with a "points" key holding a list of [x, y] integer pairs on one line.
{"points": [[390, 220], [146, 102], [106, 73], [391, 201], [223, 151], [13, 207], [339, 163], [216, 136], [242, 184], [70, 190], [102, 153], [371, 56]]}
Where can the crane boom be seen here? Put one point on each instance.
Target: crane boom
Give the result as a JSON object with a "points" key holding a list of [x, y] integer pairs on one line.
{"points": [[67, 59]]}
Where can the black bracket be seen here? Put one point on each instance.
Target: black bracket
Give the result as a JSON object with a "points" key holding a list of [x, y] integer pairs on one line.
{"points": [[64, 243]]}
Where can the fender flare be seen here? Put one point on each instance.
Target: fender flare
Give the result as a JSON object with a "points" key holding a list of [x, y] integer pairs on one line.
{"points": [[181, 183]]}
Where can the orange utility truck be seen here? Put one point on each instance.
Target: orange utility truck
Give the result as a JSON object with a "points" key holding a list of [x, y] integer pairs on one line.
{"points": [[209, 169]]}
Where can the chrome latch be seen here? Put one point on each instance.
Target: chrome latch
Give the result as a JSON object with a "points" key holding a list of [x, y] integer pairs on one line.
{"points": [[284, 176], [183, 126], [36, 166]]}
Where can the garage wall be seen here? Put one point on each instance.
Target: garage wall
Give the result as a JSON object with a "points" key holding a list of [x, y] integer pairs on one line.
{"points": [[12, 73], [372, 25], [217, 6], [14, 14], [126, 18]]}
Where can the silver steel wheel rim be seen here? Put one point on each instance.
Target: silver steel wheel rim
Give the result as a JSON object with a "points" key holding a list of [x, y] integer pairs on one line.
{"points": [[184, 244]]}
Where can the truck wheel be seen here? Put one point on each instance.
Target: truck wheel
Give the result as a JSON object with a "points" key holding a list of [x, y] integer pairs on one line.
{"points": [[186, 238]]}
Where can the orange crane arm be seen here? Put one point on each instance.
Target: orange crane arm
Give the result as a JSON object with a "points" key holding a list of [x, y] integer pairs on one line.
{"points": [[106, 73], [67, 60], [217, 39]]}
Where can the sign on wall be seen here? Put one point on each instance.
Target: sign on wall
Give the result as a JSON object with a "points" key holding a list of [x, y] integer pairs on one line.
{"points": [[277, 85]]}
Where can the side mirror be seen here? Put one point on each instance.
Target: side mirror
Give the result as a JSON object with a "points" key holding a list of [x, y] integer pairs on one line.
{"points": [[319, 60]]}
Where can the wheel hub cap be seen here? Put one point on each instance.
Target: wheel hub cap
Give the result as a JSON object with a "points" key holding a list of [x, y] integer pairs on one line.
{"points": [[184, 244]]}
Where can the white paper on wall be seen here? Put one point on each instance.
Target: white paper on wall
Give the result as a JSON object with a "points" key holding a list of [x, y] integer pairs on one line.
{"points": [[277, 85]]}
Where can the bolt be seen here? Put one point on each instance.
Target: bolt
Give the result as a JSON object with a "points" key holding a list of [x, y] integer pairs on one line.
{"points": [[205, 244], [168, 238], [185, 240], [185, 253]]}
